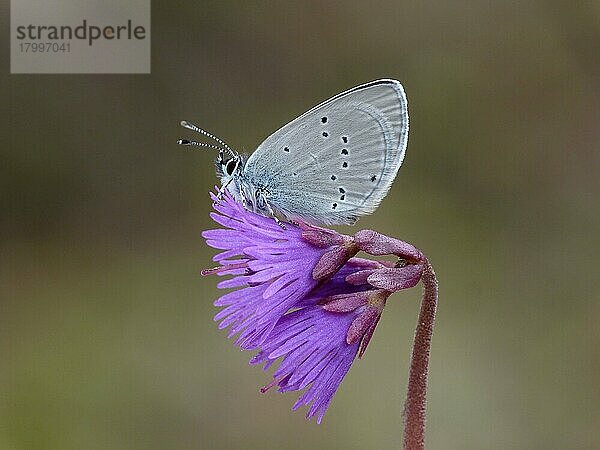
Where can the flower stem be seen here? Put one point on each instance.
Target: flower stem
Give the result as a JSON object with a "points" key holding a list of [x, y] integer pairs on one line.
{"points": [[416, 395]]}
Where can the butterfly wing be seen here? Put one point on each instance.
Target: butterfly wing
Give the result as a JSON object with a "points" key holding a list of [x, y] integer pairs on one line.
{"points": [[337, 161]]}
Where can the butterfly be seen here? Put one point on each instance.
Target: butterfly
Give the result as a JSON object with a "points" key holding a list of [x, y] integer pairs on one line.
{"points": [[329, 166]]}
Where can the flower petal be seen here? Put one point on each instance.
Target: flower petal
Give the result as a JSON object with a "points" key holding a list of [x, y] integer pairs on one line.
{"points": [[395, 279], [361, 324]]}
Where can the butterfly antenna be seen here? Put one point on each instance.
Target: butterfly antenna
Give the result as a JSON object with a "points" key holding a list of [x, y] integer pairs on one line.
{"points": [[191, 126], [198, 144]]}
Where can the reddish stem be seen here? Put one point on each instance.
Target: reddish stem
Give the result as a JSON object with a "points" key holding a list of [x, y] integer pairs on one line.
{"points": [[416, 396]]}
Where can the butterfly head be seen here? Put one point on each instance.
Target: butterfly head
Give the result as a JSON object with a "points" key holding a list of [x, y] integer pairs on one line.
{"points": [[229, 166], [229, 163]]}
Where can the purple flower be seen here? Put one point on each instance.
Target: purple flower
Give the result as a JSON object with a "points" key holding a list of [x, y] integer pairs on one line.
{"points": [[272, 266], [304, 299], [318, 342]]}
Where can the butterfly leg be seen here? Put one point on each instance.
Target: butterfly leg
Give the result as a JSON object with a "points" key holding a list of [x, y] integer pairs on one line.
{"points": [[221, 192], [262, 201], [279, 222]]}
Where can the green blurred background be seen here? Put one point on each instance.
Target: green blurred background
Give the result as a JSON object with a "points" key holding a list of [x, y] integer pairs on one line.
{"points": [[106, 332]]}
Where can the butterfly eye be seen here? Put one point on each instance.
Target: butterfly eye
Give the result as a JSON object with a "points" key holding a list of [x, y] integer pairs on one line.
{"points": [[230, 167]]}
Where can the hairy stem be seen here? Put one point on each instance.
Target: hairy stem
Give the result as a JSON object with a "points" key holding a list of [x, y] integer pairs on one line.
{"points": [[416, 395]]}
